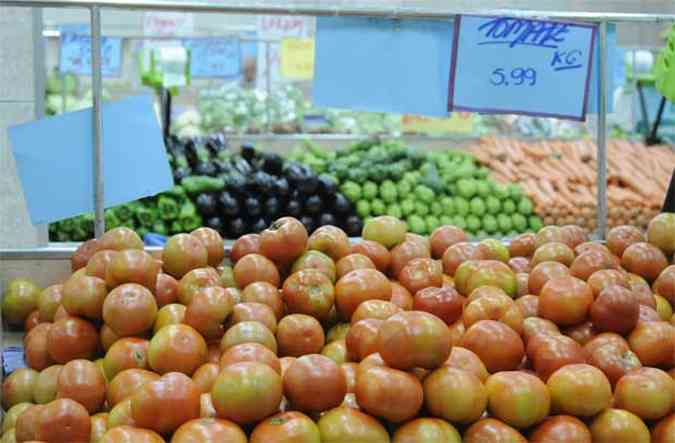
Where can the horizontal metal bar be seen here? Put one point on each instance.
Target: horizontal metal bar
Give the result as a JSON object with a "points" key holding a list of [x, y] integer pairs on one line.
{"points": [[62, 251], [273, 9]]}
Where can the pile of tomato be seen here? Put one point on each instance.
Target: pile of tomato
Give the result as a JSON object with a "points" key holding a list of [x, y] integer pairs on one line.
{"points": [[395, 338]]}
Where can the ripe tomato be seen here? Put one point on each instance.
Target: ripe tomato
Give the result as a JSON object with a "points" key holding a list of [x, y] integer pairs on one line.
{"points": [[615, 310], [565, 301], [194, 281], [207, 311], [286, 427], [266, 293], [99, 262], [129, 309], [44, 389], [528, 305], [377, 253], [544, 272], [663, 286], [599, 280], [378, 309], [171, 314], [108, 337], [132, 266], [246, 392], [582, 333], [284, 240], [420, 273], [130, 434], [177, 348], [83, 254], [580, 390], [497, 345], [517, 398], [62, 420], [183, 253], [252, 311], [553, 251], [250, 352], [244, 245], [205, 376], [548, 353], [653, 343], [120, 238], [589, 262], [523, 245], [349, 370], [166, 290], [494, 306], [36, 351], [461, 252], [533, 326], [344, 424], [254, 268], [314, 383], [427, 430], [126, 383], [610, 353], [462, 358], [401, 254], [361, 339], [209, 430], [80, 380], [25, 428], [561, 428], [358, 286], [309, 292], [352, 262], [455, 395], [248, 332], [330, 240], [71, 338], [494, 431], [165, 404], [444, 237], [644, 260], [126, 353], [316, 260], [401, 297], [299, 334], [615, 425], [388, 393], [646, 392], [664, 431], [214, 244], [83, 296], [412, 339], [621, 237]]}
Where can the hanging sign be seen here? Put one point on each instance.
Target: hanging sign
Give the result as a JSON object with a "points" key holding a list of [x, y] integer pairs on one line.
{"points": [[214, 57], [504, 65], [297, 58], [75, 53]]}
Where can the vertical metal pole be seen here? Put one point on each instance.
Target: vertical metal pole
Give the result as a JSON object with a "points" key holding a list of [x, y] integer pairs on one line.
{"points": [[602, 133], [268, 85], [96, 87]]}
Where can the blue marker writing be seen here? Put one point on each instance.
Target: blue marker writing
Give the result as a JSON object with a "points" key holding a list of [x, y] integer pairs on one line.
{"points": [[514, 32]]}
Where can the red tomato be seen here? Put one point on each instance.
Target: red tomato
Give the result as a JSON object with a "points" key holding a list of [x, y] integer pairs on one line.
{"points": [[99, 262], [497, 345], [445, 303], [214, 244], [330, 240], [494, 431], [286, 427], [130, 434], [344, 424], [166, 290], [316, 260], [358, 286], [378, 309], [36, 351], [299, 334], [653, 343], [523, 245], [126, 353], [309, 292], [423, 430], [621, 237], [71, 338], [254, 268], [615, 425], [664, 431], [462, 358], [646, 392], [132, 266], [284, 240], [420, 273], [529, 305], [615, 310], [517, 398], [582, 333], [259, 312], [378, 254], [249, 332], [126, 383], [461, 252], [444, 237], [266, 293], [83, 254], [250, 352], [586, 264], [177, 348], [314, 383], [561, 428], [244, 245], [205, 375], [129, 309], [388, 393], [81, 380], [361, 339], [663, 286], [209, 430], [533, 326], [62, 420], [494, 306], [120, 238], [565, 301], [548, 353], [207, 311], [447, 383], [644, 260], [553, 251], [402, 253], [194, 281], [580, 390], [183, 253], [599, 280], [401, 297]]}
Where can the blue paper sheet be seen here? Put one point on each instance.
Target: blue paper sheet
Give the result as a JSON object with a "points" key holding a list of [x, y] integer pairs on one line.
{"points": [[75, 52], [54, 159], [612, 55], [214, 57], [372, 64], [508, 65]]}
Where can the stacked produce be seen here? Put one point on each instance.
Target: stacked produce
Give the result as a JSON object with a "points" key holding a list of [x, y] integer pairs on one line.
{"points": [[427, 190], [560, 178], [397, 338]]}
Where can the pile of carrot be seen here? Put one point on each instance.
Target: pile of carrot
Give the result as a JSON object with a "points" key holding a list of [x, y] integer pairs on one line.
{"points": [[560, 177]]}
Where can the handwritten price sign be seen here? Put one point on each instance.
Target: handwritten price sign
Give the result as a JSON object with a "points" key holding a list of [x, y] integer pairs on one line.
{"points": [[75, 54], [505, 65], [214, 57], [297, 58]]}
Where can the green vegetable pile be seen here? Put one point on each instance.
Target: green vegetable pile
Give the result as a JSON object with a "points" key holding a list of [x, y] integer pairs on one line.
{"points": [[167, 213], [427, 190]]}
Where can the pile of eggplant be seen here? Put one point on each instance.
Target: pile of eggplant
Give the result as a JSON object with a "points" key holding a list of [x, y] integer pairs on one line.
{"points": [[243, 192]]}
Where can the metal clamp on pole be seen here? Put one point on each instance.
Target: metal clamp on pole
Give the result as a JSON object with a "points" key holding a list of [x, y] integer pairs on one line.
{"points": [[602, 132], [99, 216]]}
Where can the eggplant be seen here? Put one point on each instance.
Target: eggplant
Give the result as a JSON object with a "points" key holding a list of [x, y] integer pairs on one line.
{"points": [[341, 204], [272, 206], [294, 172], [308, 222], [259, 225], [206, 204], [228, 204], [327, 219], [205, 168], [353, 226], [216, 143], [308, 184], [216, 223], [294, 208], [235, 182], [281, 187], [248, 152], [252, 206], [327, 186], [180, 173], [263, 182], [313, 205], [241, 165], [237, 227], [272, 163]]}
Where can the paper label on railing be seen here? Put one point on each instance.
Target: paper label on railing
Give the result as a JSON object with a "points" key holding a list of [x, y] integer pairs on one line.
{"points": [[297, 58], [214, 57], [75, 52], [167, 24], [504, 65]]}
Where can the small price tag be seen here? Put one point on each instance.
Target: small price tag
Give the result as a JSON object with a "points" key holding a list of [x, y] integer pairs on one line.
{"points": [[214, 57], [75, 53], [297, 58], [504, 65]]}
